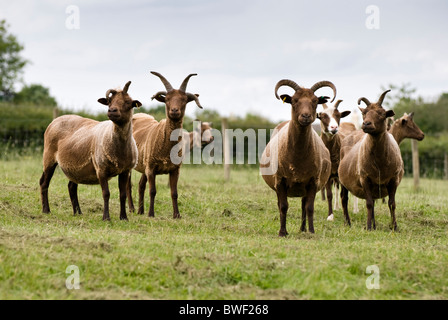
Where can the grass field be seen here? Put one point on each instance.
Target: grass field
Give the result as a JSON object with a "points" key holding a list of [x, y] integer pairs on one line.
{"points": [[224, 247]]}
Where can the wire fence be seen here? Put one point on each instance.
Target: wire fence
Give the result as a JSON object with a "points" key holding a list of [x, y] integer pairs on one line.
{"points": [[16, 143]]}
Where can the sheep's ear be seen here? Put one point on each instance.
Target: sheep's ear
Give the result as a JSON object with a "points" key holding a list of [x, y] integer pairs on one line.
{"points": [[345, 113], [103, 101], [191, 98], [319, 116], [323, 100], [136, 104], [286, 98], [390, 113], [159, 97]]}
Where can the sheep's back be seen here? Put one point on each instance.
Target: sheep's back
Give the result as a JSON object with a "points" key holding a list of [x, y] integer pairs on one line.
{"points": [[357, 163], [153, 146], [69, 136], [68, 141], [297, 169]]}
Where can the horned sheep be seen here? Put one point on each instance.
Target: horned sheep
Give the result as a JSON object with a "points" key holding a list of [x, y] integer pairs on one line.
{"points": [[92, 152], [402, 128], [295, 162], [154, 143], [371, 166], [330, 119]]}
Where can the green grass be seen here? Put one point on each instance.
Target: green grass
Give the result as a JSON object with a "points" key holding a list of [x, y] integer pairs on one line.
{"points": [[224, 247]]}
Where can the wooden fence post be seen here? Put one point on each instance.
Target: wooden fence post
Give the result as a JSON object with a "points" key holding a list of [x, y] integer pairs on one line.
{"points": [[445, 167], [55, 112], [415, 164], [226, 149]]}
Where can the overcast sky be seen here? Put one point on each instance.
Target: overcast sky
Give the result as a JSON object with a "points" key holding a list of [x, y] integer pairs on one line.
{"points": [[239, 49]]}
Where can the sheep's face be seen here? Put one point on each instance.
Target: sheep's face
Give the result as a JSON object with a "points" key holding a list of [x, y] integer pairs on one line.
{"points": [[304, 104], [409, 128], [175, 103], [120, 106], [330, 119], [374, 119]]}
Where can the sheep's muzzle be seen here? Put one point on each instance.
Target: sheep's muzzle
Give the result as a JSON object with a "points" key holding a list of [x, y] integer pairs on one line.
{"points": [[113, 115], [368, 127], [305, 120], [175, 115]]}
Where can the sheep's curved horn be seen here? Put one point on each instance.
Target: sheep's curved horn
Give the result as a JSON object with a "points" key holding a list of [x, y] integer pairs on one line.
{"points": [[126, 87], [383, 95], [411, 115], [183, 86], [108, 92], [322, 84], [365, 100], [165, 82], [336, 105], [286, 82], [195, 98]]}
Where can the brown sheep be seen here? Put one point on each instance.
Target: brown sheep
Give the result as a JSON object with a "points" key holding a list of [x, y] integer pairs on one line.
{"points": [[371, 166], [295, 162], [405, 127], [154, 143], [330, 119], [202, 137], [400, 129], [92, 152]]}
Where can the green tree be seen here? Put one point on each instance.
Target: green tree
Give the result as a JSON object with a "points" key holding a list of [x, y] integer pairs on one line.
{"points": [[431, 117], [398, 95], [11, 63], [35, 94]]}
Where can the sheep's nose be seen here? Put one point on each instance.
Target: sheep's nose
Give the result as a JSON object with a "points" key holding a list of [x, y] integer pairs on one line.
{"points": [[112, 110], [333, 127], [306, 115], [367, 123]]}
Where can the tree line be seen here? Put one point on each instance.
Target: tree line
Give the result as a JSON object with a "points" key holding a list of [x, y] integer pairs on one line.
{"points": [[27, 113]]}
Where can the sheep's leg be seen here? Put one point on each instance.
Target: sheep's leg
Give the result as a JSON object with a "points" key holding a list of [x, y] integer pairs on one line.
{"points": [[391, 189], [282, 202], [129, 193], [303, 225], [370, 204], [141, 193], [106, 195], [73, 191], [152, 192], [344, 202], [44, 184], [328, 187], [123, 180], [322, 193], [174, 178], [311, 195], [336, 198]]}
